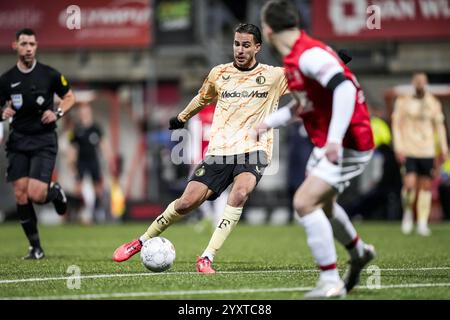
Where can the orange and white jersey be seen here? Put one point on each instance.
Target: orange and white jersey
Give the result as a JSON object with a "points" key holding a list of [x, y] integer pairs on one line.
{"points": [[415, 123], [244, 99]]}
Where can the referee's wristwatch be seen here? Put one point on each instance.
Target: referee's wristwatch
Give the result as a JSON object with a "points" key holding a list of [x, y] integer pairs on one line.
{"points": [[59, 113]]}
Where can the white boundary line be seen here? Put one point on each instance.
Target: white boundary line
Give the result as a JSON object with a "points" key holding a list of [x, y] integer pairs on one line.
{"points": [[209, 292], [147, 274]]}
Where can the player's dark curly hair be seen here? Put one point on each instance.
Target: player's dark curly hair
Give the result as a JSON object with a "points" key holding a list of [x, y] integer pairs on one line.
{"points": [[25, 31], [280, 15], [250, 29]]}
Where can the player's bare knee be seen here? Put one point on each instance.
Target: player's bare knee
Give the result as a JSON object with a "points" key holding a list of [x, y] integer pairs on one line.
{"points": [[185, 204], [302, 206], [238, 197], [410, 182], [425, 184]]}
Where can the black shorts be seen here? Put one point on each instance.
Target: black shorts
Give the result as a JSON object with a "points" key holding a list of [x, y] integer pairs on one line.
{"points": [[91, 167], [31, 156], [218, 172], [420, 166]]}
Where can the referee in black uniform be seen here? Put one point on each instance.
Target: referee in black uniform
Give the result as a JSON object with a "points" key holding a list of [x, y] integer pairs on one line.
{"points": [[26, 96]]}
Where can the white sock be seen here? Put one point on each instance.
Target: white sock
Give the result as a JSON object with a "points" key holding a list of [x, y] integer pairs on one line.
{"points": [[208, 254], [320, 241], [329, 275], [345, 232], [230, 218], [408, 216]]}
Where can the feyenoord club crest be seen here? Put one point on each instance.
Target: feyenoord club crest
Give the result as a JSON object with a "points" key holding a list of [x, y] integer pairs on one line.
{"points": [[260, 80]]}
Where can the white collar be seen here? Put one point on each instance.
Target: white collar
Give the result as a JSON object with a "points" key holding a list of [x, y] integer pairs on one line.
{"points": [[27, 70]]}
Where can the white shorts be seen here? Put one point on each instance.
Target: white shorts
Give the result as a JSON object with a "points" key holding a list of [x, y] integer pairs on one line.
{"points": [[338, 176]]}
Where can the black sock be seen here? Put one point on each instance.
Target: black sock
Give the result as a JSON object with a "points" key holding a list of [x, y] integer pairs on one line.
{"points": [[52, 194], [28, 220], [32, 212]]}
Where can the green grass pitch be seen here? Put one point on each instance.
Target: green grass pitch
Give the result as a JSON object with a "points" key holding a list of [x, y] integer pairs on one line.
{"points": [[256, 263]]}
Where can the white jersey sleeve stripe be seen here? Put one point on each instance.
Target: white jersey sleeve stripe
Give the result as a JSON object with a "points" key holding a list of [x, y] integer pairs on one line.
{"points": [[320, 65], [344, 97]]}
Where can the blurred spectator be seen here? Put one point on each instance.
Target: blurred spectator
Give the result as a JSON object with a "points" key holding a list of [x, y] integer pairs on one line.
{"points": [[87, 137], [118, 201], [66, 164], [416, 122], [171, 177]]}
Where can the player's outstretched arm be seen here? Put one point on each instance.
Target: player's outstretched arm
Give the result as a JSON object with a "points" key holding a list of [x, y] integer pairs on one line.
{"points": [[205, 96], [191, 110], [344, 98], [283, 116], [280, 118], [322, 66]]}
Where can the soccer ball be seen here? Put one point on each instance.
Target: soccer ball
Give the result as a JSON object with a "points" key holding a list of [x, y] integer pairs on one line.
{"points": [[158, 254]]}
